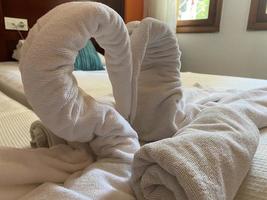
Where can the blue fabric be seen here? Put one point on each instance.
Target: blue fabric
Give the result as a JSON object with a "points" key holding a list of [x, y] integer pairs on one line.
{"points": [[88, 59]]}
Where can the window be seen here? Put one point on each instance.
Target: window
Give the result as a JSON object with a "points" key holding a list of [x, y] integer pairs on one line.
{"points": [[258, 15], [196, 16]]}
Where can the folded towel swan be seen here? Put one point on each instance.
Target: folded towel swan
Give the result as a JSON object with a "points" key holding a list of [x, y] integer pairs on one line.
{"points": [[204, 158], [48, 62], [202, 141], [46, 68]]}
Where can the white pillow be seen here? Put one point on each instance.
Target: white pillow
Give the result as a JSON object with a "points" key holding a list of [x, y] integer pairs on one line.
{"points": [[17, 52], [102, 59]]}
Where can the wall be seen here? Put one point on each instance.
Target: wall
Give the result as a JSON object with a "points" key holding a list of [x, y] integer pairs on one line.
{"points": [[233, 51], [133, 10]]}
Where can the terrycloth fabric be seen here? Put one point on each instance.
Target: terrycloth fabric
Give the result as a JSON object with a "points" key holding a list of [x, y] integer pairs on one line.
{"points": [[75, 24], [208, 138], [17, 52], [46, 68], [22, 170], [156, 60], [42, 137], [210, 156], [107, 178]]}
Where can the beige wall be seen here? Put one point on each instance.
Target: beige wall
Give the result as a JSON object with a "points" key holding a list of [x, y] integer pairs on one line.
{"points": [[233, 51]]}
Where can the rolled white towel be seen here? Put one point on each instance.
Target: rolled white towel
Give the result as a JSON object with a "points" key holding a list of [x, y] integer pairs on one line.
{"points": [[42, 137], [52, 90], [48, 57], [156, 79]]}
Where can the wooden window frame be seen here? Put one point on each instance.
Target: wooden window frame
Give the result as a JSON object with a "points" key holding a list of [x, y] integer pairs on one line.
{"points": [[210, 25], [257, 17]]}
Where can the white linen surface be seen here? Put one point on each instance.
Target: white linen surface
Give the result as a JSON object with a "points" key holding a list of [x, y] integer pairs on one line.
{"points": [[97, 84], [253, 187], [15, 121], [16, 134]]}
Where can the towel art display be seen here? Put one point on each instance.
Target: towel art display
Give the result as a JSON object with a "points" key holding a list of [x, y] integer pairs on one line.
{"points": [[199, 142], [72, 114]]}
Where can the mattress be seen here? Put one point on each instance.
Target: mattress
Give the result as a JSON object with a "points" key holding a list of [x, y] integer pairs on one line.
{"points": [[15, 122], [15, 119], [97, 84]]}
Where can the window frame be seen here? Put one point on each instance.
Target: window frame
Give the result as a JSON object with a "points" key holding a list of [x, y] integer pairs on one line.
{"points": [[210, 25], [257, 17]]}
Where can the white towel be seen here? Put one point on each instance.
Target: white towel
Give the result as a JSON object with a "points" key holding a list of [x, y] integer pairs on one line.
{"points": [[17, 52], [46, 68], [42, 137], [44, 53], [156, 60], [209, 157], [22, 170]]}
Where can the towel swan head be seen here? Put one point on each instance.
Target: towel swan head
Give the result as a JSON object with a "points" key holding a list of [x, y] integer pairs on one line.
{"points": [[48, 58]]}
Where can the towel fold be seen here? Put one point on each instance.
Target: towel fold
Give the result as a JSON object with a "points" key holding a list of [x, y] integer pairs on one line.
{"points": [[23, 170], [71, 114], [17, 52], [156, 60], [209, 157], [202, 141], [42, 137], [48, 61], [205, 146]]}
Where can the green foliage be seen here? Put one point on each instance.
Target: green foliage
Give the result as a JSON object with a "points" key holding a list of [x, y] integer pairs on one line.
{"points": [[203, 9]]}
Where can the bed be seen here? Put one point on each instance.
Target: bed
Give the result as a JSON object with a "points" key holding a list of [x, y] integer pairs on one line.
{"points": [[15, 122], [16, 119], [11, 84], [9, 39], [98, 84]]}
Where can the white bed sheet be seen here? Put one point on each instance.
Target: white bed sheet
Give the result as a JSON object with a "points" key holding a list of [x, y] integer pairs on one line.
{"points": [[15, 122], [15, 119], [97, 84]]}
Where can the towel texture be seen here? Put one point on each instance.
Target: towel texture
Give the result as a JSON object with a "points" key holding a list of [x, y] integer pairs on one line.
{"points": [[156, 60], [202, 141], [46, 67], [22, 170], [44, 53], [42, 137], [208, 158]]}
